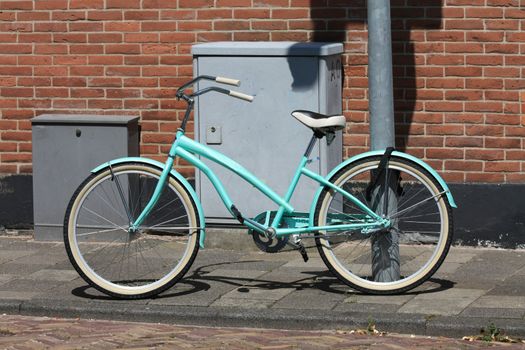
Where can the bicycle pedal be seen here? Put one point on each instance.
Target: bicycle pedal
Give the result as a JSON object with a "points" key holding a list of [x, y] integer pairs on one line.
{"points": [[302, 250]]}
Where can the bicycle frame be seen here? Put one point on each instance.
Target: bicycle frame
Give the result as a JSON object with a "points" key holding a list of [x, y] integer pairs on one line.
{"points": [[189, 149]]}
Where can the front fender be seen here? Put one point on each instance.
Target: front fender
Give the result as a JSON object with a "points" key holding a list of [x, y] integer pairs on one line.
{"points": [[427, 167], [175, 174]]}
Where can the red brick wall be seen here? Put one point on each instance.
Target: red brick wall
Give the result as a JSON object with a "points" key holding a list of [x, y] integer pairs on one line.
{"points": [[458, 67]]}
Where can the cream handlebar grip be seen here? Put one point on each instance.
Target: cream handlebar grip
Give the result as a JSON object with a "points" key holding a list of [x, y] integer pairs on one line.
{"points": [[228, 81], [242, 96]]}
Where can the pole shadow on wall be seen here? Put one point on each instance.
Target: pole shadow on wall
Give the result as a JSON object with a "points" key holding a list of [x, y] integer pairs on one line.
{"points": [[330, 23]]}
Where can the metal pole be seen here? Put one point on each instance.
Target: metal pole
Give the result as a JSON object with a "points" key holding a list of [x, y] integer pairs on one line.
{"points": [[381, 94], [385, 246]]}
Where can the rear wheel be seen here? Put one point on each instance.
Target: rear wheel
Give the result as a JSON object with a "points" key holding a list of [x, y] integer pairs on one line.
{"points": [[410, 251], [121, 262]]}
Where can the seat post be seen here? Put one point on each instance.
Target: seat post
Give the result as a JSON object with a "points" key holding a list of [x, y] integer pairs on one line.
{"points": [[311, 145]]}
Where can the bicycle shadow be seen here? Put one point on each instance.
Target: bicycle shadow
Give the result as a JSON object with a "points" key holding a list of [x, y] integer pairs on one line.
{"points": [[201, 280], [88, 292], [322, 280]]}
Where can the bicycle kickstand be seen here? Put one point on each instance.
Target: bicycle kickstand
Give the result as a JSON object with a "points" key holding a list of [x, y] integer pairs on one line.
{"points": [[298, 244]]}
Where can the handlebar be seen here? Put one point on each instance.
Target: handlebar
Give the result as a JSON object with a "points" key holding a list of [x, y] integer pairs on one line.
{"points": [[189, 98], [222, 80]]}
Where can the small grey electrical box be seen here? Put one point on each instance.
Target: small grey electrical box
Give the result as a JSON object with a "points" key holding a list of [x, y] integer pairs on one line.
{"points": [[65, 149]]}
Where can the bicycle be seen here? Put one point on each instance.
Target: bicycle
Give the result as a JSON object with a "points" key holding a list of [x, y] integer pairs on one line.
{"points": [[133, 228]]}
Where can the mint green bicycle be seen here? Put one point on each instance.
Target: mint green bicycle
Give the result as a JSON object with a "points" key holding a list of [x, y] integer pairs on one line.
{"points": [[134, 226]]}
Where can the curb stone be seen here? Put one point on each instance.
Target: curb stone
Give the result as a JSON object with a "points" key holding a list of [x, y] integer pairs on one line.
{"points": [[270, 319]]}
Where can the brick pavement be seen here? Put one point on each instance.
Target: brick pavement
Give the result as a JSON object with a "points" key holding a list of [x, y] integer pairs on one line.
{"points": [[473, 288], [17, 332]]}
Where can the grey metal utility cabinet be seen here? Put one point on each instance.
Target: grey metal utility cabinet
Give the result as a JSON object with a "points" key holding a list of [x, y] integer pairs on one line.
{"points": [[262, 135], [65, 149]]}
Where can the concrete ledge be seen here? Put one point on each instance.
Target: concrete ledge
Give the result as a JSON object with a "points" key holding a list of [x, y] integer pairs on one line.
{"points": [[257, 318]]}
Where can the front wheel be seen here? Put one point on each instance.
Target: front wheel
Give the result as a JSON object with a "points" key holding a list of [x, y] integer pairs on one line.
{"points": [[130, 263], [410, 250]]}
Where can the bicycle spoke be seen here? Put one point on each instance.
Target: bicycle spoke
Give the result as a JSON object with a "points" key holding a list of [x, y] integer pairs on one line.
{"points": [[136, 205], [95, 232], [110, 206], [119, 188], [421, 215], [412, 207], [423, 222], [165, 222], [107, 220], [167, 214], [401, 205], [111, 198], [165, 205]]}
